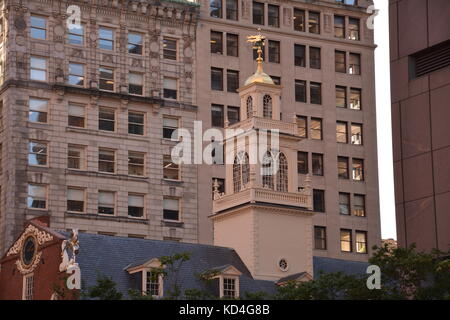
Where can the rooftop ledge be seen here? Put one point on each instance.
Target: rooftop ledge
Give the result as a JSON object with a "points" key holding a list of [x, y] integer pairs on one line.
{"points": [[194, 3], [258, 195], [267, 124]]}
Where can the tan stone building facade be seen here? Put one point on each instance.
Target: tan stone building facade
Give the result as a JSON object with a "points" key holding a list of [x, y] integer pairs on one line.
{"points": [[83, 116], [304, 45], [87, 113]]}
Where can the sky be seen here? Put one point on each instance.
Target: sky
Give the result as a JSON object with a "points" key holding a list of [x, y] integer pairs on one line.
{"points": [[384, 133]]}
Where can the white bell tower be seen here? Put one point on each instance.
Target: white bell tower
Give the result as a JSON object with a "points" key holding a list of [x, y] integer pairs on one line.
{"points": [[262, 214]]}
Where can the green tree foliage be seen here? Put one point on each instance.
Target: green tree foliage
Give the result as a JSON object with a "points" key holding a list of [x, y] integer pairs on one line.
{"points": [[105, 289], [405, 274]]}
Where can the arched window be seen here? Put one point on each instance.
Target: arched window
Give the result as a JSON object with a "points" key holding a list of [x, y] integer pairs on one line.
{"points": [[249, 106], [282, 174], [268, 171], [241, 171], [236, 175], [267, 106]]}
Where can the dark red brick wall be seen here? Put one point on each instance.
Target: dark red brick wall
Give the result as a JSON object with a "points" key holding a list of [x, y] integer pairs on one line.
{"points": [[47, 277]]}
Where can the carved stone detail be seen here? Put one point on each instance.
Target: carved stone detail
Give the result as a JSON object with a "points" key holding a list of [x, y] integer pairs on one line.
{"points": [[41, 237]]}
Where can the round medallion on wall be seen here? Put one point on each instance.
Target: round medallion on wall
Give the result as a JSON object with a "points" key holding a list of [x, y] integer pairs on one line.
{"points": [[29, 249], [283, 265]]}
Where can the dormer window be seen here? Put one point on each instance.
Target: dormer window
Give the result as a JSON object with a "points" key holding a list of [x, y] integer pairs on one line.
{"points": [[229, 289], [153, 284], [228, 281], [149, 278]]}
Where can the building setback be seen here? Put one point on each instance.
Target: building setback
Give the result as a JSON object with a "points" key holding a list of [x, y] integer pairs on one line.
{"points": [[420, 92], [87, 113]]}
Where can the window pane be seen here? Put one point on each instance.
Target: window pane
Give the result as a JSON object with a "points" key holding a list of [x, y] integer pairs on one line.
{"points": [[319, 200], [320, 238], [353, 25], [170, 88], [344, 203], [37, 196], [357, 134], [339, 26], [217, 115], [299, 20], [361, 241], [355, 99], [316, 129], [316, 93], [346, 240], [340, 61], [300, 90], [232, 81], [171, 209], [341, 97], [302, 126], [171, 170], [274, 51], [170, 49], [314, 22], [358, 169], [359, 209], [232, 9], [343, 168], [314, 58], [232, 45], [38, 110], [317, 164], [302, 162], [299, 55], [341, 132], [258, 13], [233, 115], [215, 8], [216, 42], [216, 79], [355, 64], [274, 16]]}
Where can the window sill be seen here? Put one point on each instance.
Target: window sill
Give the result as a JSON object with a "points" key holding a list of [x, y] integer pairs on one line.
{"points": [[172, 181], [95, 216], [172, 223]]}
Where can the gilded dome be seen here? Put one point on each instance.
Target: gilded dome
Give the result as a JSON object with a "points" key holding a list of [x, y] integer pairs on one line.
{"points": [[260, 77]]}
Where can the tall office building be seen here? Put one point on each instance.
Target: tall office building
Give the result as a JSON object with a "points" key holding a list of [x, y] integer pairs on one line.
{"points": [[322, 55], [420, 86], [88, 112]]}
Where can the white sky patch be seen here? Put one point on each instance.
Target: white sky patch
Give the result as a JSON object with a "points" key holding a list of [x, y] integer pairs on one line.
{"points": [[384, 130]]}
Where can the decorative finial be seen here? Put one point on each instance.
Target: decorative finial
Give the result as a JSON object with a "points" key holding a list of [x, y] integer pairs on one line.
{"points": [[258, 43]]}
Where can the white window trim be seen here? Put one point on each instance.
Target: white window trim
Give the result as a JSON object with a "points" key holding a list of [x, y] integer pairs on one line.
{"points": [[160, 283], [236, 285], [24, 286]]}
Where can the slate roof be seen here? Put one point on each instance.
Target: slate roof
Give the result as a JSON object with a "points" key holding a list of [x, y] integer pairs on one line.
{"points": [[110, 256], [107, 255], [328, 265]]}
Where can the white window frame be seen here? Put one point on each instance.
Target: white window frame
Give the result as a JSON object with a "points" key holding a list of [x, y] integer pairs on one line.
{"points": [[222, 285], [25, 287], [160, 283], [39, 69], [84, 198], [46, 196]]}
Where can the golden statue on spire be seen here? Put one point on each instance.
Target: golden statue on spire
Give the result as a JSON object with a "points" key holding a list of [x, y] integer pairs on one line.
{"points": [[258, 42]]}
